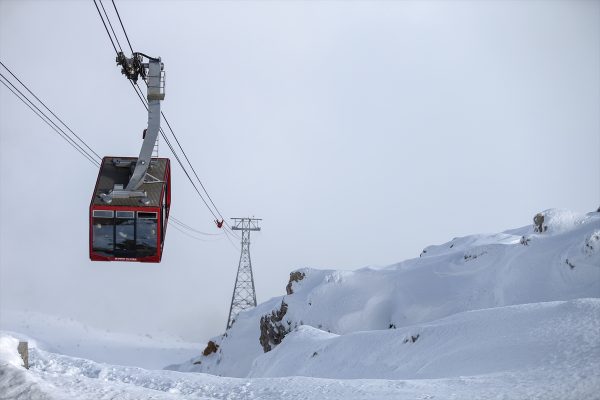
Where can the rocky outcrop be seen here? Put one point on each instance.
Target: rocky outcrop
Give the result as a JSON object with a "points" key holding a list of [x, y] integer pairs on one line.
{"points": [[211, 347], [538, 223], [273, 329], [295, 276]]}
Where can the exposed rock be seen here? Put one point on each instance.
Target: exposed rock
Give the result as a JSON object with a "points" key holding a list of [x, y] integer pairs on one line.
{"points": [[473, 256], [295, 276], [411, 338], [570, 264], [272, 330], [211, 347], [592, 243], [538, 223]]}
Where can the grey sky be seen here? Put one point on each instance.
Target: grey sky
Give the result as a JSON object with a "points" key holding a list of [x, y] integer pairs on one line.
{"points": [[360, 132]]}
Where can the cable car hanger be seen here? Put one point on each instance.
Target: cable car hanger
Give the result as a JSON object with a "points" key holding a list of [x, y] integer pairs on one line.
{"points": [[153, 73]]}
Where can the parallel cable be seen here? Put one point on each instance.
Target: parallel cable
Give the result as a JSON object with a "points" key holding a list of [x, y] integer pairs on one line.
{"points": [[49, 121], [185, 226], [173, 151], [189, 163], [123, 27], [191, 166], [110, 24], [105, 27], [51, 112], [229, 239], [192, 236], [195, 174], [139, 93]]}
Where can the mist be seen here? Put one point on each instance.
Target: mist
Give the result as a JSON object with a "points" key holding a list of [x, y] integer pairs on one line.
{"points": [[360, 132]]}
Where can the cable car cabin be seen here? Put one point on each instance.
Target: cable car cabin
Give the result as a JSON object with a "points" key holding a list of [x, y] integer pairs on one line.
{"points": [[130, 205], [130, 228]]}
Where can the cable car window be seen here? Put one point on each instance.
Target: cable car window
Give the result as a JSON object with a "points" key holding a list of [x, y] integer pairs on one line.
{"points": [[102, 233], [103, 213], [125, 234], [146, 239], [146, 215]]}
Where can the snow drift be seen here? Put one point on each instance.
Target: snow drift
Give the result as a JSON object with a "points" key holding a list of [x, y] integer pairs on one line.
{"points": [[70, 337]]}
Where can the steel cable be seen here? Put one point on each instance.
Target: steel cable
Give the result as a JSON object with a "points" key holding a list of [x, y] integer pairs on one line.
{"points": [[48, 120]]}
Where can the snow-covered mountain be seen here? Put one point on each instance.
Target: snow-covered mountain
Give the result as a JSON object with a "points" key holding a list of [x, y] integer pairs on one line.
{"points": [[474, 305], [514, 315]]}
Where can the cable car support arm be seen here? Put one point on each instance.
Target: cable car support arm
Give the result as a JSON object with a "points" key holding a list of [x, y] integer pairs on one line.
{"points": [[152, 72]]}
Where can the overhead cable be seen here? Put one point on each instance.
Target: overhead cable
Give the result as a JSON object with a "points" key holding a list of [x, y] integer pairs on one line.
{"points": [[105, 27], [110, 24], [191, 235], [162, 132], [48, 120], [185, 226], [121, 21], [51, 112]]}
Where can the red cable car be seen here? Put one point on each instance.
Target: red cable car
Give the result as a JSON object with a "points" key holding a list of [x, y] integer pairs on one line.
{"points": [[130, 228], [130, 205]]}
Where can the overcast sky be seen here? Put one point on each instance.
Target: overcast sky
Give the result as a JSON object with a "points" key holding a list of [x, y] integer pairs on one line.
{"points": [[360, 132]]}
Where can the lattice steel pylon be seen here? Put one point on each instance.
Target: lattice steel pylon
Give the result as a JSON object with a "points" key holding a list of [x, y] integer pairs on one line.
{"points": [[244, 295]]}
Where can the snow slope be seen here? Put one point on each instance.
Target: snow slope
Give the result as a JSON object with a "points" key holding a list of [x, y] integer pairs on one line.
{"points": [[551, 337], [58, 377], [514, 315], [475, 272], [70, 337]]}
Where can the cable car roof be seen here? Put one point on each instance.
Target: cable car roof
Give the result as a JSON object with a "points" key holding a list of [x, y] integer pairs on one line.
{"points": [[110, 175]]}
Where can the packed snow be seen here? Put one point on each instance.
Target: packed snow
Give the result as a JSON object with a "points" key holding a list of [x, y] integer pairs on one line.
{"points": [[67, 336], [8, 351], [513, 315], [526, 337]]}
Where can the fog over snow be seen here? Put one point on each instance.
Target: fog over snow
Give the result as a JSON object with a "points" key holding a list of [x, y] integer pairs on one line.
{"points": [[361, 132]]}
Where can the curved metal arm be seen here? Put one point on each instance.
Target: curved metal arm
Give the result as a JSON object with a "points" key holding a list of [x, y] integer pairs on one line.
{"points": [[132, 68], [154, 98]]}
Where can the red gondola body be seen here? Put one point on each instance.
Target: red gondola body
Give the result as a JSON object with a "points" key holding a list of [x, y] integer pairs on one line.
{"points": [[129, 229]]}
